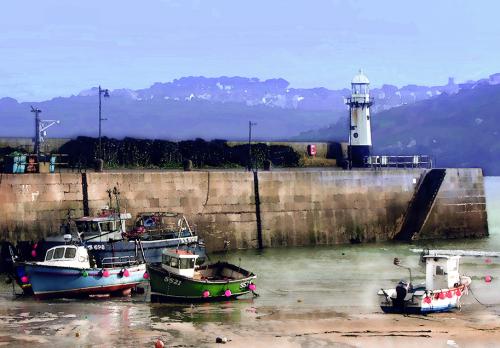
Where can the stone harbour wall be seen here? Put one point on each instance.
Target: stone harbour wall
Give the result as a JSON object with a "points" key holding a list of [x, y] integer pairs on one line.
{"points": [[298, 207]]}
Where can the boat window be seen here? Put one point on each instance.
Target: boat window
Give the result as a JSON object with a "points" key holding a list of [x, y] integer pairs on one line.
{"points": [[174, 262], [440, 270], [58, 253], [187, 263], [81, 226], [107, 226], [49, 255], [453, 266], [94, 226], [70, 253], [166, 259]]}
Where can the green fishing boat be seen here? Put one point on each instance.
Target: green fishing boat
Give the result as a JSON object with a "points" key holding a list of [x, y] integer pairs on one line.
{"points": [[177, 278]]}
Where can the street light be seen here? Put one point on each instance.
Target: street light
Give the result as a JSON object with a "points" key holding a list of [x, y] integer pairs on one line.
{"points": [[106, 95], [250, 124]]}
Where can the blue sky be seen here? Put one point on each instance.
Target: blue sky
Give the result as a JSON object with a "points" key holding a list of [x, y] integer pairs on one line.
{"points": [[57, 48]]}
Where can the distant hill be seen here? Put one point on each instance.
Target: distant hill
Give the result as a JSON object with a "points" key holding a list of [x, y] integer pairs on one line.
{"points": [[459, 130], [209, 108]]}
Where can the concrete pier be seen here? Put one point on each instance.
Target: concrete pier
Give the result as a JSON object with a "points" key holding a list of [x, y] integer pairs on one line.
{"points": [[314, 207]]}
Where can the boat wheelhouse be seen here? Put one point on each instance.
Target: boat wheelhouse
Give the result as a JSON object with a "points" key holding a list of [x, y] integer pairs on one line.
{"points": [[180, 262], [108, 226], [67, 256], [177, 278], [441, 292]]}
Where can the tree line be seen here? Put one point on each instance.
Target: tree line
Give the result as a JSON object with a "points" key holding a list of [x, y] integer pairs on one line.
{"points": [[144, 153]]}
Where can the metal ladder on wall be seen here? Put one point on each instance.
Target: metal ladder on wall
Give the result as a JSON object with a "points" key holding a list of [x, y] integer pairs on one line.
{"points": [[421, 204]]}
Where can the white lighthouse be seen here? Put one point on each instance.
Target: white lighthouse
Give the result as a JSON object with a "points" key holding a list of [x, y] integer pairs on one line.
{"points": [[360, 134]]}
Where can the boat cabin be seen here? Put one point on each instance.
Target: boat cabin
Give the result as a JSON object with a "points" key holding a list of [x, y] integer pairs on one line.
{"points": [[441, 271], [67, 256], [103, 228], [181, 262]]}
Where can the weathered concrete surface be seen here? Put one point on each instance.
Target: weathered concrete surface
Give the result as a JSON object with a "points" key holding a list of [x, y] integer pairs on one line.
{"points": [[298, 207], [460, 207], [33, 205]]}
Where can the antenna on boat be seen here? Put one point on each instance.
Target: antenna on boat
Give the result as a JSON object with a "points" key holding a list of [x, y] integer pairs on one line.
{"points": [[226, 245], [397, 262], [179, 225], [116, 193], [109, 191]]}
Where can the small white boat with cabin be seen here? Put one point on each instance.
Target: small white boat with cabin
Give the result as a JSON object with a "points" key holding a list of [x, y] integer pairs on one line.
{"points": [[441, 292]]}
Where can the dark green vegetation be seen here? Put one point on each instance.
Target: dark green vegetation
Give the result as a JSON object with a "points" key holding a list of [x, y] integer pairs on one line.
{"points": [[459, 130], [144, 153]]}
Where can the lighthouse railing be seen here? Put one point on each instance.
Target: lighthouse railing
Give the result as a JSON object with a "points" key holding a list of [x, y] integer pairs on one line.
{"points": [[414, 161]]}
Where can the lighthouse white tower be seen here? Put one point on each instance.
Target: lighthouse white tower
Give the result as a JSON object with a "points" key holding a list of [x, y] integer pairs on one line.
{"points": [[360, 134]]}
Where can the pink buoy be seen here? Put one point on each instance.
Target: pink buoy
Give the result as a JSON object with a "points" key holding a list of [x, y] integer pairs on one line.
{"points": [[105, 273], [458, 292], [206, 294], [441, 295], [227, 293], [126, 273], [252, 287], [159, 344], [427, 300], [449, 294], [145, 275], [24, 279], [487, 279], [33, 253]]}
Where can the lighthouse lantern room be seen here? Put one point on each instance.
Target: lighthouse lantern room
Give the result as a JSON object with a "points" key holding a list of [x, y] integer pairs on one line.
{"points": [[360, 137]]}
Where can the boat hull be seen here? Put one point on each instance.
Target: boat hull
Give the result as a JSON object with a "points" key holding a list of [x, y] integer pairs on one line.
{"points": [[422, 302], [169, 287], [51, 281]]}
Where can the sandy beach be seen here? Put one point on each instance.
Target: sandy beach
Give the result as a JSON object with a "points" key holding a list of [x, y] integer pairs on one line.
{"points": [[475, 326]]}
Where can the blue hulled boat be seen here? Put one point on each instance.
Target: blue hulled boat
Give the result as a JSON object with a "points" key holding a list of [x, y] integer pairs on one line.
{"points": [[71, 271], [106, 236]]}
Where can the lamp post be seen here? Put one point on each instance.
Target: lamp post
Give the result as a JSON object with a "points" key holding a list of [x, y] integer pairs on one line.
{"points": [[106, 95], [250, 124], [37, 112]]}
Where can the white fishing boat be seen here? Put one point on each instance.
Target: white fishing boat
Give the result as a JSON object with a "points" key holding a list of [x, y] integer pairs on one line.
{"points": [[441, 292]]}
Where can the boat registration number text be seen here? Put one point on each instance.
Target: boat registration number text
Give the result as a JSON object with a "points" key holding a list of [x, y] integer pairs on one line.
{"points": [[172, 281], [244, 285], [96, 247], [187, 240]]}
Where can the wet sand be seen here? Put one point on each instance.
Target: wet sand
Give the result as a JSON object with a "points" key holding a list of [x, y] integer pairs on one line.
{"points": [[126, 323]]}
